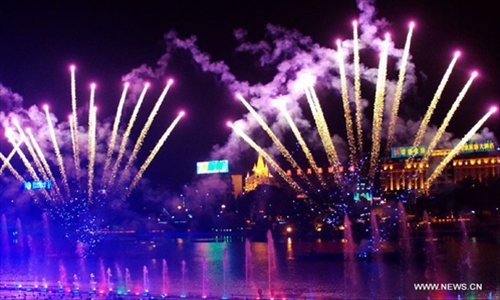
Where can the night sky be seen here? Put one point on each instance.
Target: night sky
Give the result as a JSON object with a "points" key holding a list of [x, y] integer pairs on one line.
{"points": [[107, 40]]}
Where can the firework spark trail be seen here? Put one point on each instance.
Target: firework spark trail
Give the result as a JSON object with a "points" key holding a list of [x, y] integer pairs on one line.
{"points": [[147, 126], [302, 142], [456, 150], [31, 151], [267, 157], [126, 135], [8, 165], [57, 150], [441, 130], [399, 89], [14, 172], [27, 164], [13, 152], [72, 132], [43, 159], [286, 154], [324, 135], [333, 158], [345, 103], [378, 110], [114, 133], [74, 140], [92, 142], [357, 87], [155, 151], [427, 117], [23, 157]]}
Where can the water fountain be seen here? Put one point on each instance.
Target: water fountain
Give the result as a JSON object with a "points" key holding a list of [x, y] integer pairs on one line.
{"points": [[45, 285], [183, 278], [145, 279], [350, 267], [430, 249], [128, 281], [204, 277], [5, 236], [465, 248], [20, 235], [348, 242], [224, 272], [248, 264], [66, 277], [164, 278], [46, 234], [271, 263], [31, 244], [93, 282], [375, 239], [76, 283], [119, 277], [404, 234], [109, 279], [63, 277]]}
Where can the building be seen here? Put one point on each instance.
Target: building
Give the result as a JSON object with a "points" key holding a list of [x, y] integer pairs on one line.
{"points": [[404, 170], [237, 181], [260, 176], [478, 161]]}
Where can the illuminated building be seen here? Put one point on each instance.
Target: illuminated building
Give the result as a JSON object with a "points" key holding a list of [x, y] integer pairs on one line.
{"points": [[260, 176], [478, 161], [480, 168], [401, 175], [404, 169]]}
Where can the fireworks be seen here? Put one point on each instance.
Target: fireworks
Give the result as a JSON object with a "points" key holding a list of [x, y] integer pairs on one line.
{"points": [[78, 208], [43, 168], [448, 117], [378, 110], [25, 161], [7, 164], [91, 136], [73, 141], [456, 150], [357, 87], [126, 135], [306, 83], [57, 150], [345, 103], [21, 154], [44, 161], [155, 151], [358, 173], [286, 154], [116, 125], [34, 156], [432, 106], [399, 88], [267, 157], [147, 126], [6, 160], [74, 124], [300, 139]]}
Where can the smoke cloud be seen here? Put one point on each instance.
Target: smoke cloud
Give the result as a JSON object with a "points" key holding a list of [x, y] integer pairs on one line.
{"points": [[293, 55]]}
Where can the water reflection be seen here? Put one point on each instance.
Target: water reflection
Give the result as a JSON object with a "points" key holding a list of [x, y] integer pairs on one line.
{"points": [[275, 269]]}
